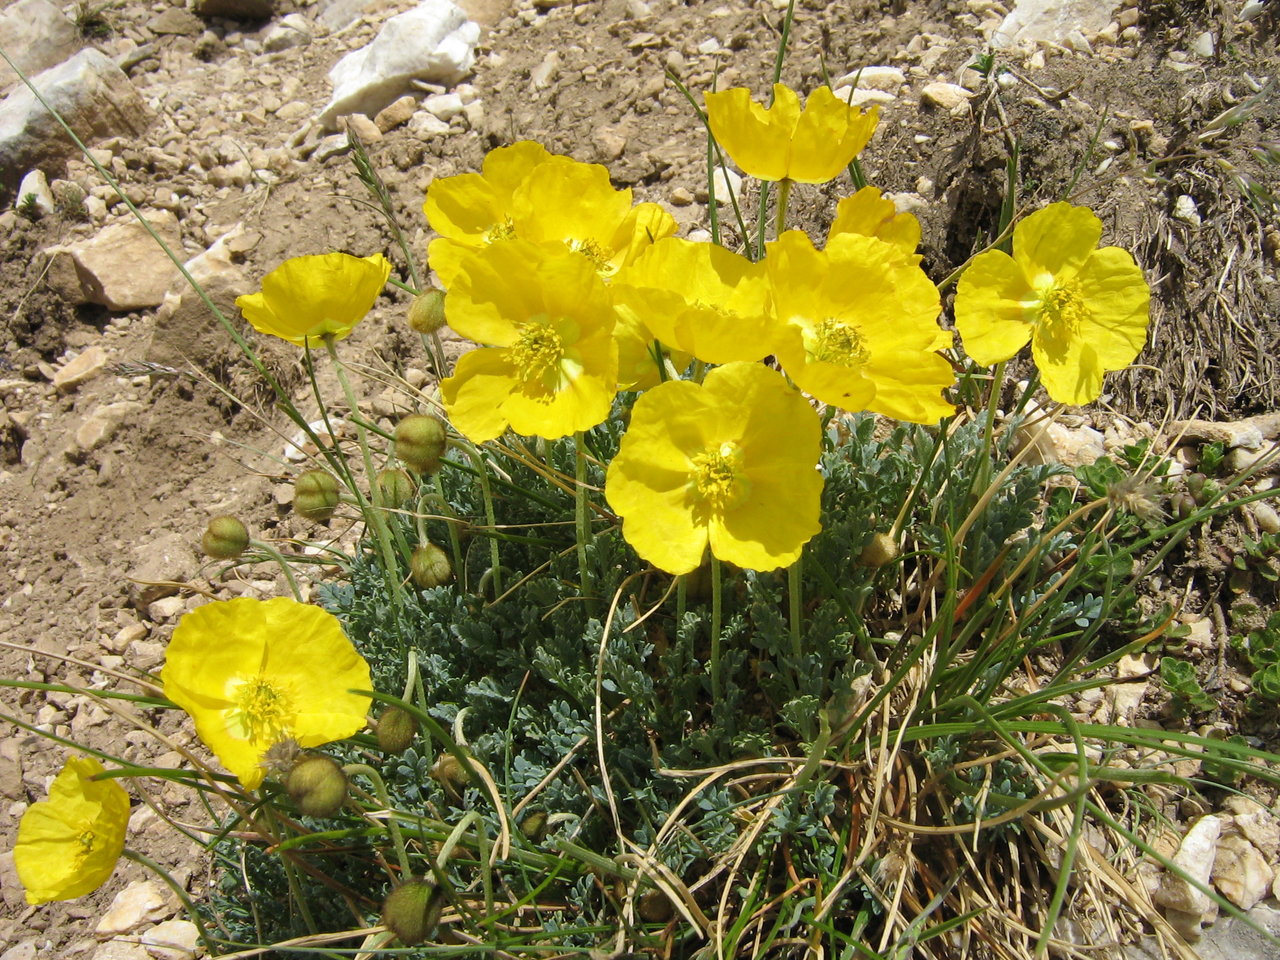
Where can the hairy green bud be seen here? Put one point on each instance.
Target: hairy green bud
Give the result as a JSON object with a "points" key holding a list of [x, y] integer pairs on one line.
{"points": [[315, 495], [396, 730], [317, 785], [420, 442], [880, 550], [426, 315], [225, 538], [393, 486], [429, 566], [412, 911]]}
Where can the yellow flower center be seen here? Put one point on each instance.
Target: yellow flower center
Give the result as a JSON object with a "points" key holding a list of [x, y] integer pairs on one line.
{"points": [[717, 480], [593, 251], [537, 352], [834, 341], [1061, 310], [505, 230], [86, 840], [261, 713]]}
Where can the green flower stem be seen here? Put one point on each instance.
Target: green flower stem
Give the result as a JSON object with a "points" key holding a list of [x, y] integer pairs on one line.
{"points": [[279, 558], [373, 516], [455, 542], [982, 476], [582, 523], [482, 475], [780, 211], [716, 689], [795, 594], [180, 892], [380, 789]]}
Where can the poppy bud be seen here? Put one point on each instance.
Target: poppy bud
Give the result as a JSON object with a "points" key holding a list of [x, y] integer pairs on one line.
{"points": [[426, 315], [393, 486], [881, 549], [225, 538], [396, 730], [449, 772], [420, 442], [429, 566], [317, 786], [315, 495], [412, 911], [534, 826]]}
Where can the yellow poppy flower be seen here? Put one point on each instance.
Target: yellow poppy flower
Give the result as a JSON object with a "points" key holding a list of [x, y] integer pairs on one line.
{"points": [[868, 213], [253, 673], [699, 298], [551, 367], [68, 845], [729, 462], [309, 298], [859, 326], [527, 193], [783, 142], [1084, 309]]}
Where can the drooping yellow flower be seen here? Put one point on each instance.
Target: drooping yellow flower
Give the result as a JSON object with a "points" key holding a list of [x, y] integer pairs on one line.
{"points": [[254, 673], [729, 462], [1084, 309], [783, 142], [868, 213], [309, 298], [699, 298], [527, 193], [859, 326], [550, 367], [68, 845]]}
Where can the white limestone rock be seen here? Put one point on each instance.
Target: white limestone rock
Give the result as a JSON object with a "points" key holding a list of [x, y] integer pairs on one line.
{"points": [[37, 36], [140, 902], [434, 42], [1195, 859], [93, 96], [1051, 21], [121, 267]]}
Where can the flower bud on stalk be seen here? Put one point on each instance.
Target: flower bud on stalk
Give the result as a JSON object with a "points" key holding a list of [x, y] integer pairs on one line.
{"points": [[881, 549], [426, 315], [429, 566], [449, 772], [317, 786], [315, 495], [412, 911], [420, 442], [393, 487], [396, 730], [534, 826], [225, 538]]}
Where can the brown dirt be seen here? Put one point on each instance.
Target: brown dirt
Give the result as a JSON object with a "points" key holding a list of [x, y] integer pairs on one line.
{"points": [[74, 526]]}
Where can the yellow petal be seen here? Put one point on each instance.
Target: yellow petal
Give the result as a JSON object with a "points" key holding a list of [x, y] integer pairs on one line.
{"points": [[994, 308], [758, 140], [867, 213], [1054, 241], [473, 396], [828, 135]]}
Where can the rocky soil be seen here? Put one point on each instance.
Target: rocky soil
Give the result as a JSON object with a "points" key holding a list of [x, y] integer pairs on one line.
{"points": [[129, 417]]}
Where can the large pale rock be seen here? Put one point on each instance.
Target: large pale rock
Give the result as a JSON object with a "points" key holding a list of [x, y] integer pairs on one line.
{"points": [[140, 902], [1195, 859], [172, 940], [121, 267], [1056, 442], [101, 425], [433, 42], [1240, 873], [91, 94], [85, 366], [1051, 21], [36, 36]]}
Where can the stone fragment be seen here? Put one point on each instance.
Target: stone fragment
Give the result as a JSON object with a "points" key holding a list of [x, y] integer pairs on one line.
{"points": [[90, 92], [610, 143], [333, 15], [426, 126], [443, 106], [36, 35], [1051, 21], [1185, 209], [158, 564], [172, 940], [34, 190], [433, 42], [25, 950], [1265, 516], [1240, 873], [235, 9], [87, 365], [1195, 859], [860, 97], [947, 96], [292, 31], [101, 425], [1056, 442], [1250, 433], [120, 950], [544, 74], [395, 114], [727, 185], [121, 267], [140, 902], [365, 129], [176, 22], [885, 79]]}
